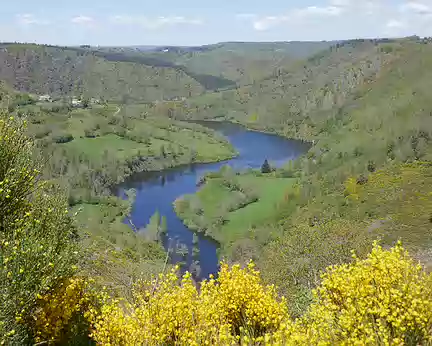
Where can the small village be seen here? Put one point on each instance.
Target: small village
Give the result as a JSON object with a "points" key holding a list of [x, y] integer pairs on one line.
{"points": [[75, 102]]}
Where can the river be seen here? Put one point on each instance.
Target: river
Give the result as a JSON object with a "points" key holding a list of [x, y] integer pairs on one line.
{"points": [[157, 191]]}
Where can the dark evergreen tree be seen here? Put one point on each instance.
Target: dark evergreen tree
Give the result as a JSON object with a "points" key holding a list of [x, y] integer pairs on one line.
{"points": [[265, 168]]}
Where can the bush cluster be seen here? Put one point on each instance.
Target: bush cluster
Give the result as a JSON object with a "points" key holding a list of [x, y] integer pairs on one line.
{"points": [[385, 299], [37, 237]]}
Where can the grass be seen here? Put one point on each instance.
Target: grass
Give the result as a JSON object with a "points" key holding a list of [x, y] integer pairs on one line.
{"points": [[117, 147], [271, 191], [213, 201]]}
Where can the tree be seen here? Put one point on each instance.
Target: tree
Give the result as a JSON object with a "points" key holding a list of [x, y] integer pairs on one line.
{"points": [[163, 152], [265, 168], [163, 227], [85, 103]]}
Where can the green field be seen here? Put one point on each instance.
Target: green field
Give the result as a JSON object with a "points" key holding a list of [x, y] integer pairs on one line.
{"points": [[212, 209]]}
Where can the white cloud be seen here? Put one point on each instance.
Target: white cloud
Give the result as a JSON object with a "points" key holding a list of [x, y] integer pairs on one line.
{"points": [[122, 20], [83, 20], [395, 24], [312, 11], [395, 27], [30, 19], [340, 3], [161, 21], [416, 7], [349, 14], [154, 23], [265, 23]]}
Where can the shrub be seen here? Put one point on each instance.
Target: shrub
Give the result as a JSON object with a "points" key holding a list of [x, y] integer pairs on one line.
{"points": [[265, 168], [37, 246], [23, 100], [63, 138], [89, 133], [234, 306], [384, 299], [60, 317]]}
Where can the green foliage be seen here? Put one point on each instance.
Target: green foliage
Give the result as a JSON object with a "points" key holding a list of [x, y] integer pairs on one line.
{"points": [[37, 237], [114, 254], [365, 103], [295, 260], [295, 100], [63, 138], [23, 100], [229, 63], [88, 151], [61, 72]]}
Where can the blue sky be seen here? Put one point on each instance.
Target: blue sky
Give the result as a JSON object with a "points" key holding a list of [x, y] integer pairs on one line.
{"points": [[193, 22]]}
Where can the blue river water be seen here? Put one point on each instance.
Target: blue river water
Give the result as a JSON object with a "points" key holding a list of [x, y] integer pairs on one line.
{"points": [[157, 191]]}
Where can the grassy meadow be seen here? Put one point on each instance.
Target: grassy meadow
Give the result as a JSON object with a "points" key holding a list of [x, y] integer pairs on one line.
{"points": [[230, 207]]}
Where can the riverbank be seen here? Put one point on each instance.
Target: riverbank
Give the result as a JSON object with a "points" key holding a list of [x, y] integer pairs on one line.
{"points": [[275, 129], [157, 191], [104, 221]]}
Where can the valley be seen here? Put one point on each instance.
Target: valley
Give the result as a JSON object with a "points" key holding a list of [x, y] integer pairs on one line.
{"points": [[124, 169], [158, 192]]}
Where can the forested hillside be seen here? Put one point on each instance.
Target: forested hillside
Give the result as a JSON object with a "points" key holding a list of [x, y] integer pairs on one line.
{"points": [[62, 72], [241, 62], [287, 97]]}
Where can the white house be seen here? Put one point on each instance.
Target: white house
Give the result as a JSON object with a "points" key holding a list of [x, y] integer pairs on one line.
{"points": [[45, 98], [76, 102]]}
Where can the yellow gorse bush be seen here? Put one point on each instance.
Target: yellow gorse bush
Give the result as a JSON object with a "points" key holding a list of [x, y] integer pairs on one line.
{"points": [[385, 299], [38, 240], [59, 307], [235, 307]]}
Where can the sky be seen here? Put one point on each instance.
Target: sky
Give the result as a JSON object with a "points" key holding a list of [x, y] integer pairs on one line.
{"points": [[198, 22]]}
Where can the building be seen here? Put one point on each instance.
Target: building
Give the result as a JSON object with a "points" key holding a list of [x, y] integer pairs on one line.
{"points": [[45, 98], [76, 103]]}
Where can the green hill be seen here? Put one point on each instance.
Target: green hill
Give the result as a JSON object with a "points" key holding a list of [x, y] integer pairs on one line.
{"points": [[285, 99], [60, 72], [129, 75], [239, 62]]}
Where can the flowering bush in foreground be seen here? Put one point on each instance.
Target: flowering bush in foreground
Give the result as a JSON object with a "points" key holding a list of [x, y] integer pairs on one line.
{"points": [[60, 310], [38, 240], [233, 307], [383, 300]]}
